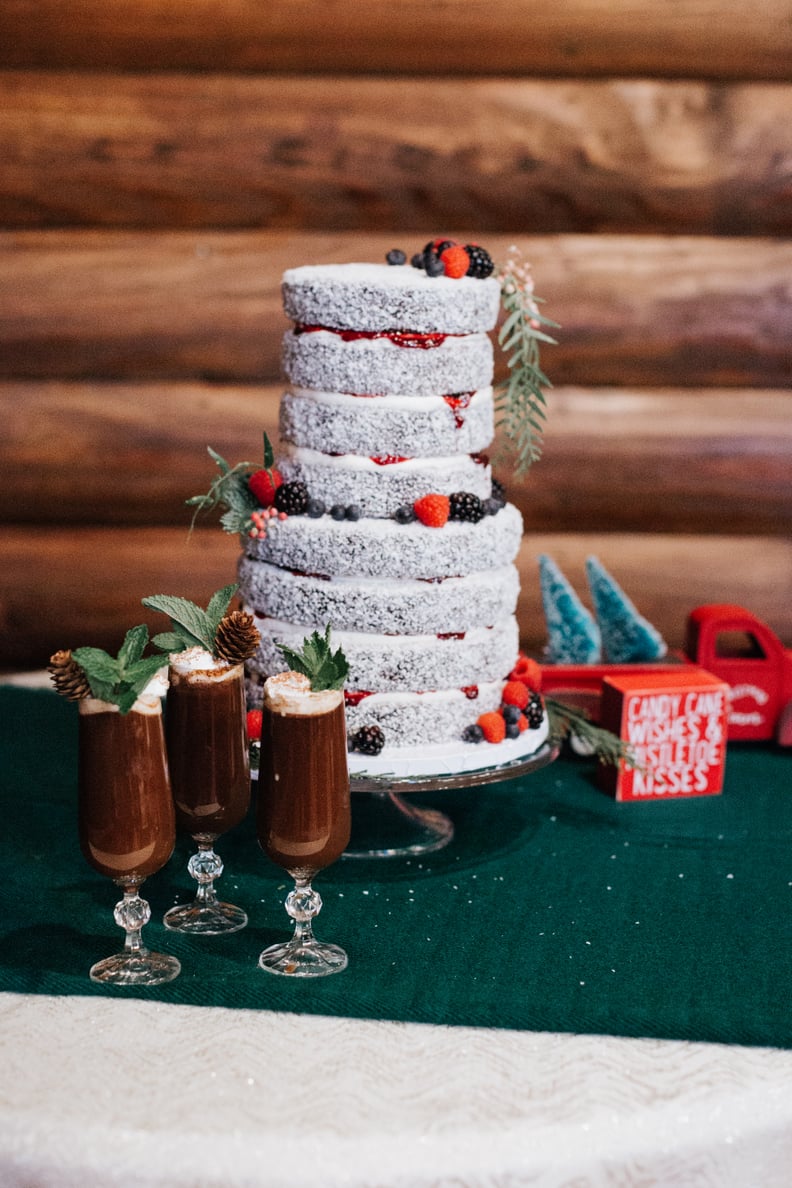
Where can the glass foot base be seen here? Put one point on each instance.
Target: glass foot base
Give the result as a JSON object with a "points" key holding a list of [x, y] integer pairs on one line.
{"points": [[313, 960], [199, 919], [136, 969], [384, 825]]}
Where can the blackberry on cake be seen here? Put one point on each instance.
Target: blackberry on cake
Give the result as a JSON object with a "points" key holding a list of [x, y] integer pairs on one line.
{"points": [[480, 261], [292, 498], [464, 505], [534, 711], [369, 740]]}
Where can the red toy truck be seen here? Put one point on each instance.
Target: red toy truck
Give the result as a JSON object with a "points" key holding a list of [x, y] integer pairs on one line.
{"points": [[727, 641]]}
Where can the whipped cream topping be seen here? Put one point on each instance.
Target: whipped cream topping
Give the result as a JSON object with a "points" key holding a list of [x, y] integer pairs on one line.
{"points": [[199, 665], [291, 693]]}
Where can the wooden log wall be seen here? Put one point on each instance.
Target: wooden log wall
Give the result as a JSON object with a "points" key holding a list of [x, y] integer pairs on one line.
{"points": [[162, 163]]}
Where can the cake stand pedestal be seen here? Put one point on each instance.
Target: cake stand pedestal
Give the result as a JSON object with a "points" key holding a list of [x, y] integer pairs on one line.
{"points": [[384, 825]]}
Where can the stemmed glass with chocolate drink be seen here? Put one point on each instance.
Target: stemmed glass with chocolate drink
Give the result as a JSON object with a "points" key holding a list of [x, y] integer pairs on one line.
{"points": [[206, 735], [126, 819], [303, 810], [210, 774]]}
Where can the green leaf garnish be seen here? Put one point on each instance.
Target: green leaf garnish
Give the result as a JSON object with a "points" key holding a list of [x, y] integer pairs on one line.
{"points": [[134, 645], [565, 720], [191, 625], [519, 399], [230, 491], [218, 605], [324, 668], [119, 679], [269, 454]]}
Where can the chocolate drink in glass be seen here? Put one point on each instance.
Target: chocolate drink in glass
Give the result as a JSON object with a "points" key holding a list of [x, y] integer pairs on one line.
{"points": [[126, 822], [303, 811], [210, 774]]}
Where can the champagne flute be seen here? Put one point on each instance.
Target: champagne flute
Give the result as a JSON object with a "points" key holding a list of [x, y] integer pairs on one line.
{"points": [[126, 823], [303, 811], [210, 774]]}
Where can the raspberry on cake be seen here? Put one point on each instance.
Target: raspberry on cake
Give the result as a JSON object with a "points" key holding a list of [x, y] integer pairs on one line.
{"points": [[433, 510], [263, 484]]}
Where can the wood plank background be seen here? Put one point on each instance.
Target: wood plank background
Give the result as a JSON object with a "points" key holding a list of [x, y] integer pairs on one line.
{"points": [[161, 164], [370, 153], [689, 38]]}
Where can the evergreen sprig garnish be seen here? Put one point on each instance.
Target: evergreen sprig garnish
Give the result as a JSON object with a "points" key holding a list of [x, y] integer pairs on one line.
{"points": [[230, 490], [119, 679], [519, 399], [191, 625], [324, 668], [564, 720]]}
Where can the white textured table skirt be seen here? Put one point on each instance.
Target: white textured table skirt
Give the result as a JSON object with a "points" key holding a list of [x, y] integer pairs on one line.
{"points": [[96, 1093]]}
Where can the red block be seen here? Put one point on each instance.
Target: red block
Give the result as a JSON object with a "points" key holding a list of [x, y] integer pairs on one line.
{"points": [[675, 724]]}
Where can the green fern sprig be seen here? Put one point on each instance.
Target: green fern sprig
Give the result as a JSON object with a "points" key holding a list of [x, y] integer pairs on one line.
{"points": [[519, 398], [564, 720]]}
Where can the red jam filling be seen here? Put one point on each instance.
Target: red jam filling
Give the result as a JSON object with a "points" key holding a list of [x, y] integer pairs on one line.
{"points": [[470, 691], [458, 403], [400, 338], [356, 696], [450, 635], [322, 577], [389, 459]]}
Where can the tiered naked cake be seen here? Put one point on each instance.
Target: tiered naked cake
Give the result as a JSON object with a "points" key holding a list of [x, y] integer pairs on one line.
{"points": [[391, 528]]}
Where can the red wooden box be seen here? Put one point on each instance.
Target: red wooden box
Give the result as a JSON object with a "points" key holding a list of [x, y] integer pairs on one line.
{"points": [[675, 723]]}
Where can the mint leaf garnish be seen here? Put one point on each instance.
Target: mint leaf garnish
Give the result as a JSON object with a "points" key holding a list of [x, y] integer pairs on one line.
{"points": [[188, 621], [119, 679], [324, 668], [98, 665], [133, 646], [191, 625], [169, 641], [218, 605]]}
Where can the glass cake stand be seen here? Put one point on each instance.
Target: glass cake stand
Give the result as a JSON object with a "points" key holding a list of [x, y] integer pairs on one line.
{"points": [[384, 825]]}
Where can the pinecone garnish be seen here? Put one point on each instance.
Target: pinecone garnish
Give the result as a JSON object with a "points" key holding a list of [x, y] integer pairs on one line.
{"points": [[237, 638], [68, 677]]}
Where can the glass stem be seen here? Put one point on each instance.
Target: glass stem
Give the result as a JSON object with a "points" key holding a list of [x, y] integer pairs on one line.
{"points": [[302, 904], [131, 913], [205, 867]]}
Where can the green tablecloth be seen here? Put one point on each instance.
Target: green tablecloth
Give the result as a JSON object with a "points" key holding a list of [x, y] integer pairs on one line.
{"points": [[554, 908]]}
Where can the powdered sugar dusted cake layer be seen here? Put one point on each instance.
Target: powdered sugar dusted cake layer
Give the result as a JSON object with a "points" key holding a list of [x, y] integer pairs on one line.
{"points": [[378, 486], [380, 297], [407, 607], [409, 719], [385, 549], [324, 361], [402, 663], [418, 426]]}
